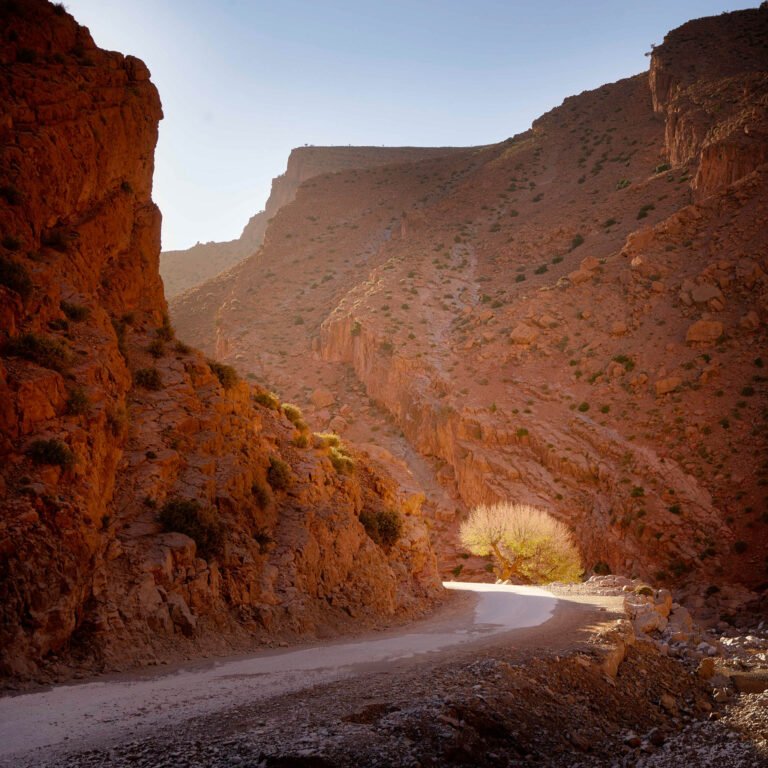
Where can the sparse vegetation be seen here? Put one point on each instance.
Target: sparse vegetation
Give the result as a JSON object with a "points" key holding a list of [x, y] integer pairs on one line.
{"points": [[53, 452], [201, 524], [15, 276], [156, 348], [576, 241], [267, 399], [165, 331], [384, 526], [342, 462], [43, 350], [643, 212], [226, 374], [583, 407], [75, 312], [148, 378], [278, 474], [77, 402], [527, 543], [261, 494]]}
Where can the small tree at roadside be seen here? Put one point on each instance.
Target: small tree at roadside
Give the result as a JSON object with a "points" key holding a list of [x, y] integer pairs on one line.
{"points": [[526, 543]]}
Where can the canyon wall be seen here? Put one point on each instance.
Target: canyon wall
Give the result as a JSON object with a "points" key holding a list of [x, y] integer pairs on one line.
{"points": [[152, 505], [575, 317], [183, 270]]}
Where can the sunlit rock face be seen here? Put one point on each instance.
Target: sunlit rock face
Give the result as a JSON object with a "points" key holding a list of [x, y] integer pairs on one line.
{"points": [[105, 418], [573, 318]]}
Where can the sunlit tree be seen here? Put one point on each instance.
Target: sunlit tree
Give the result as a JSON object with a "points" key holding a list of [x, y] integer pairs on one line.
{"points": [[527, 543]]}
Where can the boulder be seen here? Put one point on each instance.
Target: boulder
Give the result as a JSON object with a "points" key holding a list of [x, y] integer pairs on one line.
{"points": [[665, 386], [523, 334], [704, 331], [322, 398]]}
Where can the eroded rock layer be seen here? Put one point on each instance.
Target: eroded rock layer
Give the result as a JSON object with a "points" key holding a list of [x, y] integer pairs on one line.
{"points": [[151, 505]]}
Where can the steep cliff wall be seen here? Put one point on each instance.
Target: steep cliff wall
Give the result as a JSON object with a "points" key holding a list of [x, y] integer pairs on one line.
{"points": [[187, 269], [150, 506], [708, 80], [574, 317]]}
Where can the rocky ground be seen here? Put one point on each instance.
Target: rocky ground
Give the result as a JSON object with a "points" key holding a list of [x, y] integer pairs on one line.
{"points": [[608, 696]]}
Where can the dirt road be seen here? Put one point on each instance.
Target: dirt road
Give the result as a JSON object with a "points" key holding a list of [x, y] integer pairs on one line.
{"points": [[39, 727]]}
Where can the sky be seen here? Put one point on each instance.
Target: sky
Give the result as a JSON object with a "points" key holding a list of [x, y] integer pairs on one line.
{"points": [[244, 81]]}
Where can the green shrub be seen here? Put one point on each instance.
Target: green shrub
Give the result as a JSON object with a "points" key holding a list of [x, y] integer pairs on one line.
{"points": [[674, 509], [383, 526], [356, 328], [15, 277], [278, 474], [156, 348], [627, 362], [201, 524], [527, 543], [53, 452], [522, 432], [609, 223], [519, 278], [293, 413], [583, 407], [226, 374], [740, 547], [601, 568], [576, 241], [148, 378], [643, 212], [47, 352], [261, 494], [637, 491], [77, 402], [540, 270], [182, 348], [301, 440], [457, 570], [327, 440], [75, 312], [267, 399], [342, 462], [165, 331]]}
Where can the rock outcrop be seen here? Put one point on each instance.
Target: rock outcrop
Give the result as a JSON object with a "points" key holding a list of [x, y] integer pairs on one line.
{"points": [[152, 505], [574, 318]]}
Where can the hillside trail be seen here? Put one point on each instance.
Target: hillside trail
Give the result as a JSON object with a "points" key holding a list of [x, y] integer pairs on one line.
{"points": [[45, 725]]}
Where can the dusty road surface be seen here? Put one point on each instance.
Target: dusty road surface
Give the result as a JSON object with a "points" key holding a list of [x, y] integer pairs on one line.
{"points": [[41, 727]]}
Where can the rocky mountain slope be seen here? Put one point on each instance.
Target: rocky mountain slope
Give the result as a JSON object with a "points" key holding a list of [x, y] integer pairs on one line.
{"points": [[152, 505], [575, 317], [186, 269]]}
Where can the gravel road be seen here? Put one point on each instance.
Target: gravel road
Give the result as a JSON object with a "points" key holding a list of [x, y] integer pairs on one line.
{"points": [[35, 727]]}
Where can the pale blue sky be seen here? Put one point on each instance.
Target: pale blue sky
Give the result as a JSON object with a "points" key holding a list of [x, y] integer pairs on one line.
{"points": [[242, 82]]}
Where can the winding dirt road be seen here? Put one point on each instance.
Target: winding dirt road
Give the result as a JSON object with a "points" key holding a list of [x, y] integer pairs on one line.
{"points": [[37, 727]]}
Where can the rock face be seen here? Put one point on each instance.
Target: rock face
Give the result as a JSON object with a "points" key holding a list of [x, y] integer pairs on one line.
{"points": [[500, 318], [151, 504], [182, 270]]}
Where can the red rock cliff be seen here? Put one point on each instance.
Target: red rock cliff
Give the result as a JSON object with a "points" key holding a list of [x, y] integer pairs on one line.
{"points": [[104, 420]]}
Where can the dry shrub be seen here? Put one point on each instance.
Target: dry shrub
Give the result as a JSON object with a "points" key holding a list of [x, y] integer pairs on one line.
{"points": [[527, 543]]}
